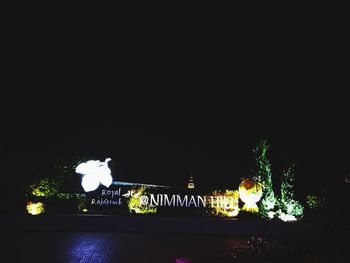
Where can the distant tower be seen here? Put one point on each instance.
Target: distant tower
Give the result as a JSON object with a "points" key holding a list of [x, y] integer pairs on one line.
{"points": [[190, 182]]}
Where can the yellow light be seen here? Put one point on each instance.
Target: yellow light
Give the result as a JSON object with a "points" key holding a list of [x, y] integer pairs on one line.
{"points": [[229, 212], [35, 208], [135, 205], [250, 193], [38, 192], [224, 204], [84, 210]]}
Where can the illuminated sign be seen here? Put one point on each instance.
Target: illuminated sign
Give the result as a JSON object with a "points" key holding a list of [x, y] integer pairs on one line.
{"points": [[107, 198], [95, 173], [135, 198], [144, 200]]}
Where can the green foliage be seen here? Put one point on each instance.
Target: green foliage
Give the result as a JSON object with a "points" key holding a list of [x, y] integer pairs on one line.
{"points": [[263, 175], [46, 187], [263, 166], [285, 207], [287, 184], [295, 208], [134, 202], [63, 168], [55, 188], [314, 201], [71, 196], [287, 203], [55, 183], [52, 188]]}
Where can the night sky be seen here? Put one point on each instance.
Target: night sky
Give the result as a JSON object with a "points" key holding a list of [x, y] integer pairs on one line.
{"points": [[209, 127]]}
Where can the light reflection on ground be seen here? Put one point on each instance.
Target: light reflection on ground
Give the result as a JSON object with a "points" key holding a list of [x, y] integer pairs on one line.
{"points": [[112, 247]]}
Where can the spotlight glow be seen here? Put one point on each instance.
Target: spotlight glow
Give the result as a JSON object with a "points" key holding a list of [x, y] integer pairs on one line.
{"points": [[287, 218], [35, 208]]}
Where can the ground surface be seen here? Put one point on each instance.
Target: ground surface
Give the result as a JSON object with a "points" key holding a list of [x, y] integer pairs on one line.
{"points": [[74, 238], [110, 247]]}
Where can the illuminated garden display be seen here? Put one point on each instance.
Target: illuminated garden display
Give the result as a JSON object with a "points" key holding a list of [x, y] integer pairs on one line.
{"points": [[100, 193], [263, 175], [284, 207], [290, 209]]}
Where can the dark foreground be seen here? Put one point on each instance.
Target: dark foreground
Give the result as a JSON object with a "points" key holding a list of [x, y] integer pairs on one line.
{"points": [[152, 239], [111, 247]]}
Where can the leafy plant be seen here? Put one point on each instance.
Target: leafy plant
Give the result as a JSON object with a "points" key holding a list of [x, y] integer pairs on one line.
{"points": [[46, 187], [135, 205], [288, 205], [263, 175], [314, 201]]}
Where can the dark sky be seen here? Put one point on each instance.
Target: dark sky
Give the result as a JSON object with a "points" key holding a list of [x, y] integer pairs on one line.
{"points": [[209, 127]]}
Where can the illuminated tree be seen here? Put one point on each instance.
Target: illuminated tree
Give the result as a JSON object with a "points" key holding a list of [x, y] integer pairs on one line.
{"points": [[287, 184], [289, 208], [263, 175]]}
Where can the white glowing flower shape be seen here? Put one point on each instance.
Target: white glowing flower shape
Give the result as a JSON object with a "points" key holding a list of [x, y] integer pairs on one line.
{"points": [[95, 173]]}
